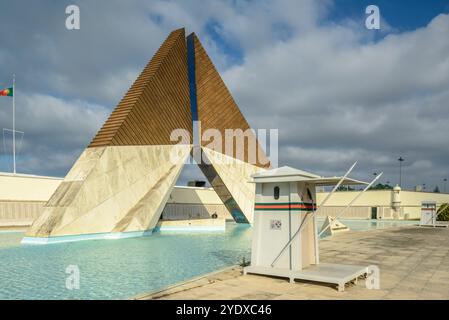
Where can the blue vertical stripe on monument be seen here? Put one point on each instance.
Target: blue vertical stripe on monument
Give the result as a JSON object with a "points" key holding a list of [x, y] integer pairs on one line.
{"points": [[236, 213], [192, 78]]}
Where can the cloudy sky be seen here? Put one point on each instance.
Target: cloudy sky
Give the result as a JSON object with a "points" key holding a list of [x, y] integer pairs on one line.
{"points": [[336, 91]]}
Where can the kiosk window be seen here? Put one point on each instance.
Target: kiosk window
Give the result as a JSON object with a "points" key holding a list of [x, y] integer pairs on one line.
{"points": [[276, 193]]}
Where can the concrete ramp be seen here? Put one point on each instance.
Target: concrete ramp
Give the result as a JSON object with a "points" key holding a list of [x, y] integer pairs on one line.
{"points": [[332, 226]]}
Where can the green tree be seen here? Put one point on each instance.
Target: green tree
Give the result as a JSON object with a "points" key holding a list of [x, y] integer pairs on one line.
{"points": [[443, 215], [436, 190], [345, 188], [381, 186]]}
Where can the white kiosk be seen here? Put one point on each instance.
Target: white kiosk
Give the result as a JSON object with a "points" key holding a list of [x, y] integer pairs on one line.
{"points": [[285, 237], [429, 214]]}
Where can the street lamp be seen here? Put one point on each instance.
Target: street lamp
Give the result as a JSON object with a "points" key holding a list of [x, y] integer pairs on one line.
{"points": [[400, 170]]}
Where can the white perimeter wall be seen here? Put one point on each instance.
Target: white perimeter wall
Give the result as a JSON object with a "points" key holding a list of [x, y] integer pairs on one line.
{"points": [[22, 198], [381, 199], [22, 187]]}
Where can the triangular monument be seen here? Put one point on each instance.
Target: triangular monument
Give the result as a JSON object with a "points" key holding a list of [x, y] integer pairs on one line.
{"points": [[121, 182]]}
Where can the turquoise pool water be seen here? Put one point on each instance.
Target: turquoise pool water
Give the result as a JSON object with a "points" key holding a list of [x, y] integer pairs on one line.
{"points": [[119, 269], [116, 269]]}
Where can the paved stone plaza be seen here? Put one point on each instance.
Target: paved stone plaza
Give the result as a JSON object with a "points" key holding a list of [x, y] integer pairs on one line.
{"points": [[413, 262]]}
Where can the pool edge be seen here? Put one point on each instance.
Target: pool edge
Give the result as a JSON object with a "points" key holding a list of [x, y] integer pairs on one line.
{"points": [[85, 237]]}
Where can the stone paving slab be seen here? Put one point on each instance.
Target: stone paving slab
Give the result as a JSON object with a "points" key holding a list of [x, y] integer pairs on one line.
{"points": [[413, 262]]}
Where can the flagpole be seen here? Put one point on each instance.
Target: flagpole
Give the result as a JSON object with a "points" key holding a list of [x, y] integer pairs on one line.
{"points": [[14, 121]]}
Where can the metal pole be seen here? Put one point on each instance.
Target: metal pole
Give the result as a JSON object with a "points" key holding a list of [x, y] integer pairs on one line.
{"points": [[14, 122], [305, 220], [400, 170], [353, 200], [290, 222]]}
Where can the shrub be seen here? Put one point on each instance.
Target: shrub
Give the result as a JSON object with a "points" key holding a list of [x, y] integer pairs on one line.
{"points": [[443, 215]]}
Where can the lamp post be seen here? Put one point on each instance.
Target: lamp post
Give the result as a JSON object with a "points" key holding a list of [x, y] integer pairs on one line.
{"points": [[400, 170]]}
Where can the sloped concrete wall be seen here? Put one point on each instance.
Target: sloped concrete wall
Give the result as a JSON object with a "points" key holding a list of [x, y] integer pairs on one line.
{"points": [[112, 189], [236, 176]]}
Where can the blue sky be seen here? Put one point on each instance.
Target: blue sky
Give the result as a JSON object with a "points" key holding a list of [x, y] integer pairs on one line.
{"points": [[401, 15], [336, 91]]}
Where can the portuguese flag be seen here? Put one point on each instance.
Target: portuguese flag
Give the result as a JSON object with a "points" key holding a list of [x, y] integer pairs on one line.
{"points": [[6, 92]]}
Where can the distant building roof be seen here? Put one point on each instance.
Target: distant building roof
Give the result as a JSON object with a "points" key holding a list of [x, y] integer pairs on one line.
{"points": [[286, 174], [285, 171]]}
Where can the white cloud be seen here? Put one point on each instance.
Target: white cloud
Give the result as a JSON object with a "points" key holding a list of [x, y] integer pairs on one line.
{"points": [[335, 93], [337, 98], [56, 130]]}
